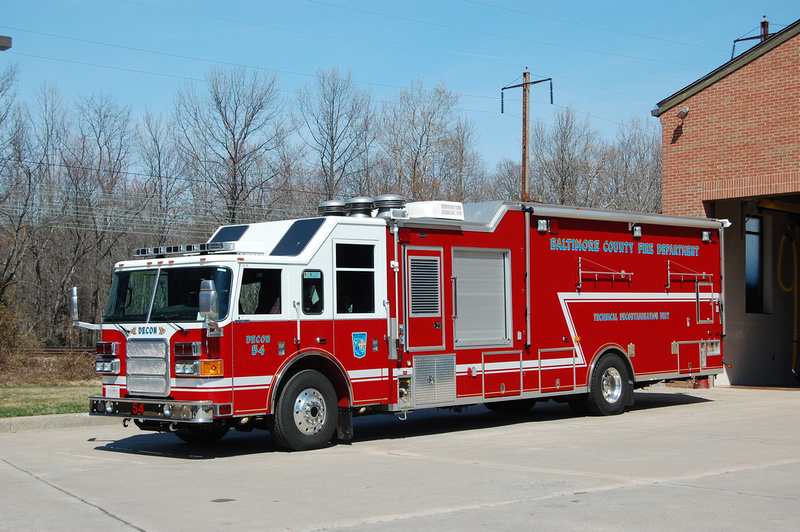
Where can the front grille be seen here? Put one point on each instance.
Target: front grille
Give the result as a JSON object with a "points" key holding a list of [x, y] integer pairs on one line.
{"points": [[147, 363]]}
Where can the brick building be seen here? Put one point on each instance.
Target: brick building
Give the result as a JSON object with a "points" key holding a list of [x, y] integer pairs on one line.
{"points": [[731, 149]]}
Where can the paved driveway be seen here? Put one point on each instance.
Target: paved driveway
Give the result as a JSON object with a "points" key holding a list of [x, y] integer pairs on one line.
{"points": [[719, 459]]}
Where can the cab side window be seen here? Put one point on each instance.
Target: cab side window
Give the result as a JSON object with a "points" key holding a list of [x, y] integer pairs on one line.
{"points": [[313, 297], [355, 278], [260, 292]]}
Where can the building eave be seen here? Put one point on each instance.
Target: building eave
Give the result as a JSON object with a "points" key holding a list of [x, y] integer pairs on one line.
{"points": [[728, 68]]}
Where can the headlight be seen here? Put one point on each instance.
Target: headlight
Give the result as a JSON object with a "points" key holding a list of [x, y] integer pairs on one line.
{"points": [[103, 365], [186, 368]]}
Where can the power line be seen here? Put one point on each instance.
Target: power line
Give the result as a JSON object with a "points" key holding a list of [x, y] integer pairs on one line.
{"points": [[236, 21], [136, 71], [592, 26], [502, 36], [96, 65], [318, 35]]}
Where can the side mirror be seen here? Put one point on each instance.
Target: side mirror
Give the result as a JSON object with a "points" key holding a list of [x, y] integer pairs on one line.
{"points": [[73, 305], [73, 313], [208, 306]]}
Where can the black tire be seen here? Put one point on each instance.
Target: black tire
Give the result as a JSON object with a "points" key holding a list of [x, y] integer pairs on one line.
{"points": [[202, 434], [611, 388], [520, 406], [306, 414], [577, 404]]}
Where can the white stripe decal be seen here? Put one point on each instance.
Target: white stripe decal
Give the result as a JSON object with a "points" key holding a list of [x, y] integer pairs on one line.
{"points": [[200, 383], [258, 380], [565, 298], [362, 375]]}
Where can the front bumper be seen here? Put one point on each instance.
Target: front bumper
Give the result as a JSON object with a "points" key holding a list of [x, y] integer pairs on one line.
{"points": [[153, 409]]}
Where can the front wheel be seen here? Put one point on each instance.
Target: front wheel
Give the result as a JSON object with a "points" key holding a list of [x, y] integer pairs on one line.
{"points": [[202, 434], [306, 414], [611, 389]]}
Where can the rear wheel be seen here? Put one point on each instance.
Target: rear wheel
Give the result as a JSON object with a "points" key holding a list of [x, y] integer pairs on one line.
{"points": [[611, 388], [306, 414], [577, 404]]}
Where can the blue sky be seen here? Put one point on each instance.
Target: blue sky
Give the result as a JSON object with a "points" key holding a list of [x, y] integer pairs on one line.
{"points": [[610, 59]]}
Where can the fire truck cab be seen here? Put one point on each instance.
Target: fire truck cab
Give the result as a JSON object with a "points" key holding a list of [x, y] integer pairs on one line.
{"points": [[296, 326]]}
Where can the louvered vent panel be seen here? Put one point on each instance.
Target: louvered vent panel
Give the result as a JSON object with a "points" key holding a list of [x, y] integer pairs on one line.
{"points": [[425, 286]]}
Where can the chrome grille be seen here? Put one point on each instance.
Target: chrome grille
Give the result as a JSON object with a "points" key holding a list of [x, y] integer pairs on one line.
{"points": [[147, 365]]}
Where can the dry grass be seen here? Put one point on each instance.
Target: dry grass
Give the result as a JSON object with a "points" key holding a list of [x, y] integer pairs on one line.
{"points": [[30, 400], [27, 369], [35, 385]]}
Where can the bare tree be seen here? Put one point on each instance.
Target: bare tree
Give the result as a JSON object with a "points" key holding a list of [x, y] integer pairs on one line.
{"points": [[566, 160], [102, 205], [505, 181], [41, 160], [632, 180], [416, 124], [461, 167], [227, 134], [8, 80], [335, 114], [17, 196], [166, 185], [8, 85]]}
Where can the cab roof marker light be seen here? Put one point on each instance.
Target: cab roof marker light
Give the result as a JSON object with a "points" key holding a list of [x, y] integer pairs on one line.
{"points": [[206, 247]]}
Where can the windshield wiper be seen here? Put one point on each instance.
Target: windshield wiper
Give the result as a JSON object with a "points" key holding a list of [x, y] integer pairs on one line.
{"points": [[113, 319], [167, 319]]}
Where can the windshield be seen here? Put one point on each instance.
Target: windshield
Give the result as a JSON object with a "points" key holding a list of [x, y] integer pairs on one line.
{"points": [[164, 295]]}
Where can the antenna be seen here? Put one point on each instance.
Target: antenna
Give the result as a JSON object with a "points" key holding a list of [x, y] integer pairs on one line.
{"points": [[763, 35]]}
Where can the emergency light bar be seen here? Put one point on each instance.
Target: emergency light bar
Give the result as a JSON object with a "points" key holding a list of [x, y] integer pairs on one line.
{"points": [[206, 247]]}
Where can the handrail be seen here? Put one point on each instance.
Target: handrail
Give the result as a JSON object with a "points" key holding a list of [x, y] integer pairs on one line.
{"points": [[595, 274]]}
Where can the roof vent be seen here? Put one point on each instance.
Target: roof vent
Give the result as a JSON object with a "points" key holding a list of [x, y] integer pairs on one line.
{"points": [[387, 202], [359, 207], [331, 208]]}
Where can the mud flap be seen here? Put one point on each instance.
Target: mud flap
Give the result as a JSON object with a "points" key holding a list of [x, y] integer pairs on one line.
{"points": [[630, 393], [345, 429]]}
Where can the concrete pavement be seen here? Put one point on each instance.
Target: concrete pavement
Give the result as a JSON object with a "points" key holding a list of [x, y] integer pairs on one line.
{"points": [[718, 459]]}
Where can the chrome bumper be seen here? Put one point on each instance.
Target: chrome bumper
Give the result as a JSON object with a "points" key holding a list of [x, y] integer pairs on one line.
{"points": [[153, 409]]}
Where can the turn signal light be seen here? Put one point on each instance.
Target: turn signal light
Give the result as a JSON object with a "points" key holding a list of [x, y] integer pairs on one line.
{"points": [[211, 368]]}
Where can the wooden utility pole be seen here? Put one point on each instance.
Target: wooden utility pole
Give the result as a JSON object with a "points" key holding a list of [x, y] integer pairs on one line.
{"points": [[526, 106], [525, 194]]}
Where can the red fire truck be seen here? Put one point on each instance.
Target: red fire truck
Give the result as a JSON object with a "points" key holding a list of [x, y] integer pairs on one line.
{"points": [[378, 306]]}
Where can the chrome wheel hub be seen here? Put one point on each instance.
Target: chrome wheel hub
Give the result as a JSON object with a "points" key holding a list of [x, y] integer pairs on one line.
{"points": [[611, 385], [309, 411]]}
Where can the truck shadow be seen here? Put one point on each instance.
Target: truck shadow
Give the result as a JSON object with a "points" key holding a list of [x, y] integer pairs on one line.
{"points": [[426, 422], [377, 427]]}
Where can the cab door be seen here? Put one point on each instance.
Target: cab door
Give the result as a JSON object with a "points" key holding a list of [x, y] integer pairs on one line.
{"points": [[262, 330], [311, 315]]}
